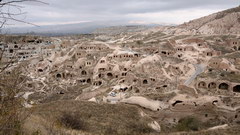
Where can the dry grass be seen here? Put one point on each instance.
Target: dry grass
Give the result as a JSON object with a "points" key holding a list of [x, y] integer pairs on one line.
{"points": [[229, 131], [11, 106], [88, 117], [160, 97]]}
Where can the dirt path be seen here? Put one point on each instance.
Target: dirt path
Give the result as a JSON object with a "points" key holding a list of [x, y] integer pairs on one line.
{"points": [[198, 70], [89, 95]]}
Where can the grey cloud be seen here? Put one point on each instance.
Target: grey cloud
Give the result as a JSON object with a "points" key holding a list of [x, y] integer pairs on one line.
{"points": [[93, 10], [135, 6]]}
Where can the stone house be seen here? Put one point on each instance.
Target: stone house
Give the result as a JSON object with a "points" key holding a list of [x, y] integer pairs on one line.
{"points": [[234, 43], [219, 64], [185, 48], [222, 86], [211, 53]]}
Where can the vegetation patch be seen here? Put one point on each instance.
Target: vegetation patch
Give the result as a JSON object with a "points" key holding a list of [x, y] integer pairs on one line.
{"points": [[95, 118], [73, 121], [189, 124]]}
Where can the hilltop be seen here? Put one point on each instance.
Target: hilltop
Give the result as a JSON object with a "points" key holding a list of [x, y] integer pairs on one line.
{"points": [[224, 22]]}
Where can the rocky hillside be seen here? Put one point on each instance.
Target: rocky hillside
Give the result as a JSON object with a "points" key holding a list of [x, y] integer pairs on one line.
{"points": [[225, 22]]}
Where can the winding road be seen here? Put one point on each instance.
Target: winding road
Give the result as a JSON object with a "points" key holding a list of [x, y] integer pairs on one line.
{"points": [[198, 70]]}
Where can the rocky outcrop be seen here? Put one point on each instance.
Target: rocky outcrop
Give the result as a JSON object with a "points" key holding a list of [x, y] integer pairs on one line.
{"points": [[225, 22]]}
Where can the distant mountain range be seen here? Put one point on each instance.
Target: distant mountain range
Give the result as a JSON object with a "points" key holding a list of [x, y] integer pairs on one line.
{"points": [[225, 22], [78, 28], [122, 29]]}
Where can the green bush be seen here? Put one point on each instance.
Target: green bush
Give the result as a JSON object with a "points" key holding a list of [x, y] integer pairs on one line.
{"points": [[139, 42], [188, 124]]}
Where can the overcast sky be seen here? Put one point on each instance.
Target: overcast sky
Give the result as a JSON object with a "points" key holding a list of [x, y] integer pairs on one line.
{"points": [[131, 11]]}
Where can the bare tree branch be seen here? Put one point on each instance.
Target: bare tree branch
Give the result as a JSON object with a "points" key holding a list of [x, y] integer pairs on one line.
{"points": [[12, 83], [19, 1], [8, 15]]}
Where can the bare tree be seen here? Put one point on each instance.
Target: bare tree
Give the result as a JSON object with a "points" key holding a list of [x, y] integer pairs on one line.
{"points": [[8, 6], [11, 79]]}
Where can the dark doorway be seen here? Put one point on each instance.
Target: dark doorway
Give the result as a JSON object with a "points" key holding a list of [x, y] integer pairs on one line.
{"points": [[40, 70], [145, 82], [109, 74], [212, 85], [11, 51], [84, 72], [236, 88], [223, 86], [88, 80], [59, 75], [202, 85]]}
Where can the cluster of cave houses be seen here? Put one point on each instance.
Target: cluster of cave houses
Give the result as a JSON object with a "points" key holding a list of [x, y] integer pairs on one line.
{"points": [[96, 65], [221, 85], [90, 63], [173, 48], [25, 48], [29, 47]]}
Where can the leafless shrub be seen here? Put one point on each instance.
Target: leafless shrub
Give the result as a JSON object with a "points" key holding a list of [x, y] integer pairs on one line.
{"points": [[11, 106], [12, 112], [73, 121]]}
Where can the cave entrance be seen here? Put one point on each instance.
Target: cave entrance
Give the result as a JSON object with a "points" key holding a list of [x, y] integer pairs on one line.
{"points": [[109, 74], [145, 82], [236, 88], [212, 85], [177, 102], [89, 80], [223, 86], [59, 76], [202, 85], [11, 51], [84, 72], [40, 70]]}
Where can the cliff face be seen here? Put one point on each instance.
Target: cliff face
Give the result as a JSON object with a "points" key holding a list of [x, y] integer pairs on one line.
{"points": [[225, 22]]}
